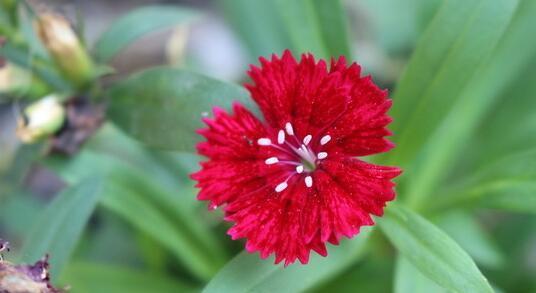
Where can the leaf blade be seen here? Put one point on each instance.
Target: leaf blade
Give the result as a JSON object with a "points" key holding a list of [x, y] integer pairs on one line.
{"points": [[248, 273], [129, 193], [409, 279], [507, 183], [163, 107], [303, 27], [86, 277], [259, 25], [61, 224], [430, 250], [128, 28], [333, 26]]}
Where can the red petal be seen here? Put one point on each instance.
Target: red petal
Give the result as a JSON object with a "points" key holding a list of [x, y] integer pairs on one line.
{"points": [[369, 185], [344, 193]]}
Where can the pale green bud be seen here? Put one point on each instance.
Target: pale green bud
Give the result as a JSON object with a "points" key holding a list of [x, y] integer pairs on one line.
{"points": [[41, 119]]}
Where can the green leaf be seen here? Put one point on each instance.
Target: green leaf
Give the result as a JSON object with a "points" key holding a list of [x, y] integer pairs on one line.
{"points": [[129, 204], [135, 24], [26, 26], [462, 35], [408, 279], [333, 25], [258, 24], [303, 26], [508, 183], [129, 193], [468, 233], [85, 277], [248, 273], [431, 251], [396, 25], [19, 211], [477, 99], [163, 107], [315, 26], [61, 224], [512, 119], [368, 275]]}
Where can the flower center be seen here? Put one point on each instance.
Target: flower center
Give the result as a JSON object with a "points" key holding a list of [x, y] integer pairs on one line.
{"points": [[295, 152]]}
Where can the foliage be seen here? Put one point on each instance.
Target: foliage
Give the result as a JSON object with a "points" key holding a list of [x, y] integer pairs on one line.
{"points": [[464, 127]]}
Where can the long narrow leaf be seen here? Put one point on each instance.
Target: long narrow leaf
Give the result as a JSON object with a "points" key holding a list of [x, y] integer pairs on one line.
{"points": [[130, 193], [492, 78], [258, 24], [248, 273], [85, 277], [135, 24], [142, 215], [467, 232], [508, 183], [431, 251], [60, 226], [409, 279], [332, 20]]}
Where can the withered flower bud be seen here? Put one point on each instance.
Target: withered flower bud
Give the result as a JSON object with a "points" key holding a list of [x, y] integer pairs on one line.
{"points": [[41, 119], [64, 46], [26, 278]]}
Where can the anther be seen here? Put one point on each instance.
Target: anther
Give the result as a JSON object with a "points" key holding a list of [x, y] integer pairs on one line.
{"points": [[307, 139], [281, 137], [290, 130], [271, 161], [264, 141], [299, 169], [322, 155], [325, 139], [281, 186], [309, 181]]}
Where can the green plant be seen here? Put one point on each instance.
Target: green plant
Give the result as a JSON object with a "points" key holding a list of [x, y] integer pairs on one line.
{"points": [[463, 124]]}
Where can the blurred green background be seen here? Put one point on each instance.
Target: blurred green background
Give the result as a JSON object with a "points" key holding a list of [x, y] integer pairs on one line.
{"points": [[118, 213]]}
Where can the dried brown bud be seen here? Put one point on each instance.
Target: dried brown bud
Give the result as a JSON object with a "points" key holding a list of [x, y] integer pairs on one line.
{"points": [[26, 278], [83, 119]]}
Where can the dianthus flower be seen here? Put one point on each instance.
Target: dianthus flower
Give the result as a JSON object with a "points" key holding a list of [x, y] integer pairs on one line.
{"points": [[291, 183]]}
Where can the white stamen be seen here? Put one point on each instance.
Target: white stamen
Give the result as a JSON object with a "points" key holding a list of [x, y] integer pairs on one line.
{"points": [[322, 155], [299, 169], [281, 137], [289, 128], [307, 139], [325, 139], [308, 181], [271, 161], [281, 186], [264, 141]]}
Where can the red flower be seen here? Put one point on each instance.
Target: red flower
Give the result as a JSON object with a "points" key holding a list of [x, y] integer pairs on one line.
{"points": [[291, 184]]}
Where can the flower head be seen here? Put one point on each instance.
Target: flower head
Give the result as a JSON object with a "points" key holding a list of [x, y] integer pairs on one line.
{"points": [[291, 183]]}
